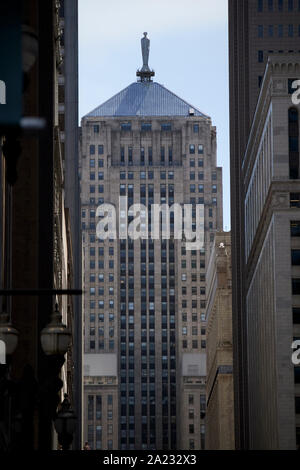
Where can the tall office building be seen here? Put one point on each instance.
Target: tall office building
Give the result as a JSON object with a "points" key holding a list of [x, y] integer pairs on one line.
{"points": [[145, 299], [257, 29]]}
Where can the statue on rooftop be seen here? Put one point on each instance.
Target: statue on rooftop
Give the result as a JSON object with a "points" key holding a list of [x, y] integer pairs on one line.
{"points": [[145, 43]]}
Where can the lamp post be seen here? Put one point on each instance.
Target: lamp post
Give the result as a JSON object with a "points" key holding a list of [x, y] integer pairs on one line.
{"points": [[8, 334], [55, 340], [55, 337], [65, 423]]}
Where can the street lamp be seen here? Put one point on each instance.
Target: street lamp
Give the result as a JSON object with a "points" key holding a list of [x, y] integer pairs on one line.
{"points": [[55, 337], [8, 334], [65, 423]]}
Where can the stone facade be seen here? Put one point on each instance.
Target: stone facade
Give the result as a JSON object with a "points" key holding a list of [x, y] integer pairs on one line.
{"points": [[271, 185], [219, 391], [149, 295]]}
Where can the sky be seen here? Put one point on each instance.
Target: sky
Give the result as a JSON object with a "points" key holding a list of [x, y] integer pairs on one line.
{"points": [[188, 52]]}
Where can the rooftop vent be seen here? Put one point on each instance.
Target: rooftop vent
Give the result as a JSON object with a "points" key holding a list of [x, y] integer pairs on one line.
{"points": [[191, 112]]}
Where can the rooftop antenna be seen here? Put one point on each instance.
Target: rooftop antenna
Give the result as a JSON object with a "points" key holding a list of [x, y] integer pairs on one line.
{"points": [[145, 73]]}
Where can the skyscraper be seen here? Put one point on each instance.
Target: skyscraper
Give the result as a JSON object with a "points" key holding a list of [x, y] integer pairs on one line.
{"points": [[257, 30], [145, 299]]}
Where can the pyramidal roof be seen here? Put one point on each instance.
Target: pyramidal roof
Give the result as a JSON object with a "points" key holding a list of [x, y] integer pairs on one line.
{"points": [[145, 98]]}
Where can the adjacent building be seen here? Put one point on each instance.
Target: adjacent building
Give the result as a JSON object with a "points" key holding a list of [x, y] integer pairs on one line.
{"points": [[257, 30], [271, 206], [145, 299], [219, 388]]}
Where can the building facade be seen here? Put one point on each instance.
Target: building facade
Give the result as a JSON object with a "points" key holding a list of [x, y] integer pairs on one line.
{"points": [[145, 298], [37, 245], [257, 29], [219, 391], [271, 185]]}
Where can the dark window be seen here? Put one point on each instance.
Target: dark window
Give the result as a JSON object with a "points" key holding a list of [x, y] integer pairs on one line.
{"points": [[146, 126], [297, 405], [280, 5], [296, 315], [295, 257], [129, 155], [291, 5], [100, 149], [295, 228], [196, 128], [271, 30], [296, 286], [260, 5], [192, 148], [270, 5], [92, 149], [280, 30], [126, 126], [96, 128], [293, 143], [291, 30], [259, 81], [260, 31], [295, 200], [166, 126], [260, 56]]}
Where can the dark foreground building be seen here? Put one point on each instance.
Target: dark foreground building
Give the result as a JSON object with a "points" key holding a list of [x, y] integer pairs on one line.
{"points": [[39, 230], [258, 29]]}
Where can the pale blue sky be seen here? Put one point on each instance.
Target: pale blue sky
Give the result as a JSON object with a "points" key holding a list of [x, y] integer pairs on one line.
{"points": [[188, 51]]}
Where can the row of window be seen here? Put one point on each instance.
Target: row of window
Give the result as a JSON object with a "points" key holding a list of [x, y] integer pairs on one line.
{"points": [[280, 5], [111, 345], [100, 148], [145, 127], [111, 317], [280, 29]]}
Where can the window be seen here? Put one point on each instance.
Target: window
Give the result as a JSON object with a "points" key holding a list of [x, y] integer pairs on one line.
{"points": [[142, 156], [295, 228], [192, 148], [200, 149], [295, 255], [290, 5], [270, 5], [125, 126], [92, 149], [191, 429], [200, 163], [293, 143], [280, 5], [122, 155], [92, 163], [260, 31], [92, 176], [280, 30], [166, 126], [146, 126], [296, 315], [162, 155], [259, 5], [100, 150], [290, 30], [271, 30], [295, 200], [296, 286], [100, 163], [196, 128], [129, 155], [150, 161], [260, 56]]}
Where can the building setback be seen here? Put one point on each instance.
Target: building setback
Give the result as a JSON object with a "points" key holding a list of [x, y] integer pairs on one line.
{"points": [[145, 299], [219, 391], [257, 29]]}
